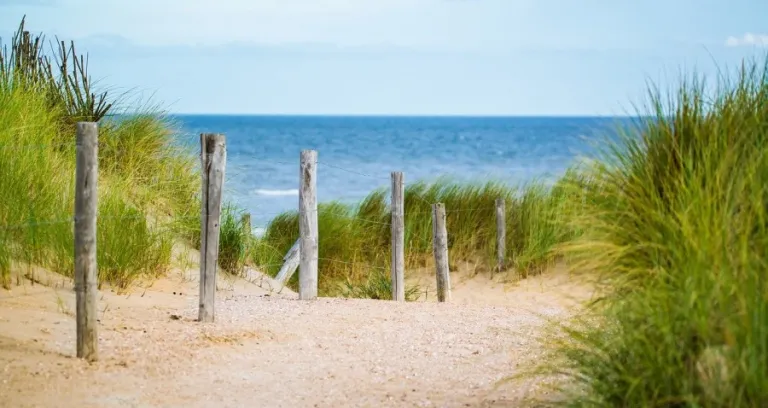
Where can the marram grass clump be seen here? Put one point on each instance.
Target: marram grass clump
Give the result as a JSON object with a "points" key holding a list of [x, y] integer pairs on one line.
{"points": [[355, 240], [679, 236], [146, 183]]}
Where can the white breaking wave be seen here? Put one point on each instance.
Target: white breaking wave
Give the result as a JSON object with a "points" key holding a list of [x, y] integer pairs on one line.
{"points": [[259, 231], [277, 193]]}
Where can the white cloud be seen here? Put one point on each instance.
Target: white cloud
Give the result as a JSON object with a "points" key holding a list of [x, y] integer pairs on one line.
{"points": [[748, 39]]}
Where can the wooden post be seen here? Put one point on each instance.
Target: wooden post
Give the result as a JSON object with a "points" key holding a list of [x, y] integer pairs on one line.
{"points": [[86, 269], [246, 222], [290, 263], [308, 225], [440, 248], [501, 235], [213, 155], [398, 237]]}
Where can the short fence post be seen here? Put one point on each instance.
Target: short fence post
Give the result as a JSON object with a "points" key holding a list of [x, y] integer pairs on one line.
{"points": [[501, 235], [86, 270], [308, 226], [398, 237], [213, 155], [246, 223], [440, 248]]}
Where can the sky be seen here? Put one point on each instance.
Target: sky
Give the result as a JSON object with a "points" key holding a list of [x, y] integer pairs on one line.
{"points": [[398, 57]]}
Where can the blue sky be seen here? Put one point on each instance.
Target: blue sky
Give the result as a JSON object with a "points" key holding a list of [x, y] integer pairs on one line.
{"points": [[466, 57]]}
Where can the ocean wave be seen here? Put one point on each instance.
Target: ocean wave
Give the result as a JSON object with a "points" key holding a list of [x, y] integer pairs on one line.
{"points": [[258, 231], [277, 193]]}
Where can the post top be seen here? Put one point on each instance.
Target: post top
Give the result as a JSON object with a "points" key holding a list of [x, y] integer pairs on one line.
{"points": [[87, 125], [212, 141], [87, 133], [213, 137]]}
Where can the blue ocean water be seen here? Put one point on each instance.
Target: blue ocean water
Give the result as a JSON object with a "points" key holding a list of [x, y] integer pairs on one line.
{"points": [[357, 154]]}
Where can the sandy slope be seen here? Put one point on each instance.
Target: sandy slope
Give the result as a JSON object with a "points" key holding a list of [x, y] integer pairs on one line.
{"points": [[271, 350]]}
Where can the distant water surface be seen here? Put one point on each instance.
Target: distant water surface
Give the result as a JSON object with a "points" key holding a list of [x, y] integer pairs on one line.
{"points": [[357, 154]]}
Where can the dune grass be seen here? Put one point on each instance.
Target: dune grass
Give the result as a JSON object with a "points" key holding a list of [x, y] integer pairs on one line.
{"points": [[235, 241], [37, 160], [354, 241], [678, 237], [147, 185]]}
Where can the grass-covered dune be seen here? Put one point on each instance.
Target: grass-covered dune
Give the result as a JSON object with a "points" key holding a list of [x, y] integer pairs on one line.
{"points": [[679, 237], [147, 186], [354, 241]]}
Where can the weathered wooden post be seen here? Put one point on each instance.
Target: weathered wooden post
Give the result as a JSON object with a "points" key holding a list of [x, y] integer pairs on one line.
{"points": [[501, 235], [246, 223], [213, 156], [86, 269], [440, 248], [290, 263], [398, 237], [308, 226]]}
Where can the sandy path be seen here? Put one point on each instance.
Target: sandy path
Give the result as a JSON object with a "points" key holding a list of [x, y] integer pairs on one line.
{"points": [[275, 351]]}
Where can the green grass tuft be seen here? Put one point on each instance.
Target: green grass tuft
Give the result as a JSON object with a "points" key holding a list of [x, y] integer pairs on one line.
{"points": [[378, 286], [234, 241], [678, 237]]}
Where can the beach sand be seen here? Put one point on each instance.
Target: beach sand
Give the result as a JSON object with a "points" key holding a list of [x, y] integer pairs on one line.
{"points": [[271, 350]]}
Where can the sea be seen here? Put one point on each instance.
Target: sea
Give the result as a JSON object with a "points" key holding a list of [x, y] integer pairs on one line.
{"points": [[356, 154]]}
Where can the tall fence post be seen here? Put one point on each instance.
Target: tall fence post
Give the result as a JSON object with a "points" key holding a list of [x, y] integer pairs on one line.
{"points": [[398, 237], [213, 155], [308, 226], [86, 270], [440, 248], [501, 235]]}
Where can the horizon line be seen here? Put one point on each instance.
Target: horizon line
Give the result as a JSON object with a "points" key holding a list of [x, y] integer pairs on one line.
{"points": [[401, 115]]}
